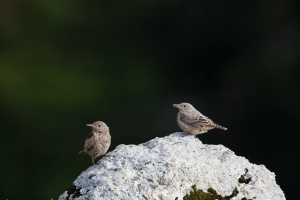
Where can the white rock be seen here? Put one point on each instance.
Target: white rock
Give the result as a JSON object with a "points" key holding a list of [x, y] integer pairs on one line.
{"points": [[166, 168]]}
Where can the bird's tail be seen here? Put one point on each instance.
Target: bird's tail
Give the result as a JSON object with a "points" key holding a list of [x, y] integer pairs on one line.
{"points": [[220, 127], [82, 152]]}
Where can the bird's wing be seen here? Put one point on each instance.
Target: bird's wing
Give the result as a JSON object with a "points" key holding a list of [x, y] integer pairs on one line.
{"points": [[197, 120], [90, 141], [203, 121]]}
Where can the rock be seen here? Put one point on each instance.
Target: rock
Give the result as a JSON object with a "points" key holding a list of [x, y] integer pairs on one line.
{"points": [[167, 168]]}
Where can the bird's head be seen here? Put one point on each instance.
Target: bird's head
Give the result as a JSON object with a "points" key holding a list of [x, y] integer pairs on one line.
{"points": [[183, 106], [99, 126]]}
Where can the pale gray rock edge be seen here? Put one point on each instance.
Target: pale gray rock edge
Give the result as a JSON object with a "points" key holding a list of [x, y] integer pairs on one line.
{"points": [[166, 168]]}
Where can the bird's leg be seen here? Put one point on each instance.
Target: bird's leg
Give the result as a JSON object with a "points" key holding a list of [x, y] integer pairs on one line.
{"points": [[102, 156], [191, 135], [93, 161]]}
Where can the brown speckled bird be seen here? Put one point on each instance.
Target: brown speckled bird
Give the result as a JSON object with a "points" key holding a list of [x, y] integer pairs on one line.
{"points": [[98, 141], [192, 121]]}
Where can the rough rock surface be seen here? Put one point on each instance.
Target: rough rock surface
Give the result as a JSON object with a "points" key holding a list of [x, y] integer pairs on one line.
{"points": [[166, 168]]}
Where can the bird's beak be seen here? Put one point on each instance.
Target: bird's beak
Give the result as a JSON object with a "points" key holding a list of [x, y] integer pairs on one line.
{"points": [[176, 105], [89, 125]]}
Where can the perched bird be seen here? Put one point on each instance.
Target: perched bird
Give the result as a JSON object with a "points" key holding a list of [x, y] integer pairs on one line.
{"points": [[98, 141], [192, 121]]}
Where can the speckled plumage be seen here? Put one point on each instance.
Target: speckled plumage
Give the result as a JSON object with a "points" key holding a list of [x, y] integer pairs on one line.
{"points": [[192, 121], [98, 141]]}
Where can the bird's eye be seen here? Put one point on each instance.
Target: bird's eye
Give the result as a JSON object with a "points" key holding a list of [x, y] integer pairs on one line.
{"points": [[184, 105], [99, 125]]}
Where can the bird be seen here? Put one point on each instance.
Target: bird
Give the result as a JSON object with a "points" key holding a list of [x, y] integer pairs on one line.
{"points": [[98, 141], [191, 121]]}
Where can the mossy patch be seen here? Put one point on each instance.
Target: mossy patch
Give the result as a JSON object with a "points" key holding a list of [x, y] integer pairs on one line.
{"points": [[211, 194]]}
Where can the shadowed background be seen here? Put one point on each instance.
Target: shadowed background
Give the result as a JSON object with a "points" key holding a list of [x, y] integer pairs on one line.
{"points": [[64, 64]]}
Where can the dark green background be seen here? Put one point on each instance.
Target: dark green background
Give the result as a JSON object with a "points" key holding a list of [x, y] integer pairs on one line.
{"points": [[64, 64]]}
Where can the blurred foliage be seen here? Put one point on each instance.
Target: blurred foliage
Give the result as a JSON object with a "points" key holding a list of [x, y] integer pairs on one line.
{"points": [[64, 64]]}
